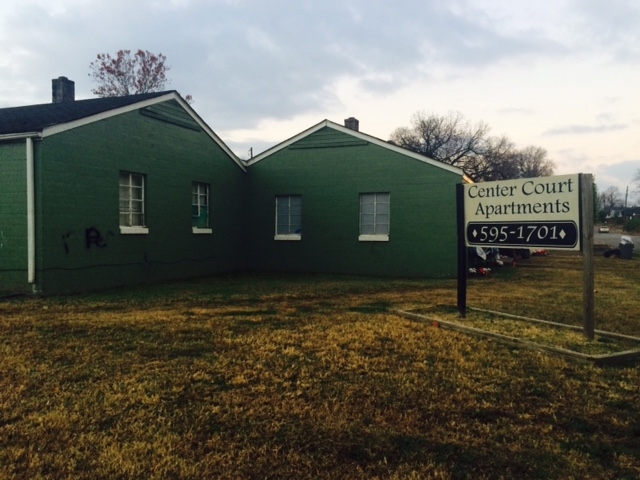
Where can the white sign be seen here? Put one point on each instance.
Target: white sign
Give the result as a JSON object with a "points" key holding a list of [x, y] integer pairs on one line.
{"points": [[537, 212]]}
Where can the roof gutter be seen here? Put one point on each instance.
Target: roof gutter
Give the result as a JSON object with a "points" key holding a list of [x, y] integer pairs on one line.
{"points": [[31, 198], [19, 136], [31, 217]]}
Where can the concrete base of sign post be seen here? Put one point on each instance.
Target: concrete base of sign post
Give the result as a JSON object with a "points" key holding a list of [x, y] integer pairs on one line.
{"points": [[601, 360]]}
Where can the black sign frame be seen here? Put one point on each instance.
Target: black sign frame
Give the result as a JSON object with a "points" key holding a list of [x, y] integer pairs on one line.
{"points": [[532, 234]]}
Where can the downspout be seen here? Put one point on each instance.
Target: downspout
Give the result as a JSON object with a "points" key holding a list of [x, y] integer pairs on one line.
{"points": [[31, 216]]}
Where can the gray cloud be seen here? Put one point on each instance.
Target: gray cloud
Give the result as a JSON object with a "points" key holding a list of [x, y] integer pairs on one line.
{"points": [[619, 175], [516, 111], [613, 24], [585, 129], [244, 61]]}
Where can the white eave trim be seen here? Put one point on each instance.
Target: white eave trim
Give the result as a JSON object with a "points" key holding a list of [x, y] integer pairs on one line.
{"points": [[63, 127], [286, 143], [209, 131], [361, 136], [19, 136]]}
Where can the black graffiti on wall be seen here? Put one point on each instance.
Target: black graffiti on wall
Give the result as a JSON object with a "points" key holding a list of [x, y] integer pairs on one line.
{"points": [[65, 241], [93, 237]]}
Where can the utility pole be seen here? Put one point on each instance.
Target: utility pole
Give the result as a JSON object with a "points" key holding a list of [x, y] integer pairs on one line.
{"points": [[624, 210]]}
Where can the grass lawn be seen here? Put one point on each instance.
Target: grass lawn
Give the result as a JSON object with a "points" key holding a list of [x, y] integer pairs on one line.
{"points": [[302, 376]]}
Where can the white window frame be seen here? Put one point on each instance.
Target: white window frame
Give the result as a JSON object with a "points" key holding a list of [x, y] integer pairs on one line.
{"points": [[129, 185], [287, 236], [379, 199], [196, 191]]}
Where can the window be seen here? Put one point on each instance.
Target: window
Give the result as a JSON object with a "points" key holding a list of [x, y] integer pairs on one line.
{"points": [[288, 217], [374, 217], [200, 207], [132, 209]]}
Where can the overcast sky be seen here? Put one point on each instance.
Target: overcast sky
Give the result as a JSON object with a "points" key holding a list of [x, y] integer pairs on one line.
{"points": [[560, 74]]}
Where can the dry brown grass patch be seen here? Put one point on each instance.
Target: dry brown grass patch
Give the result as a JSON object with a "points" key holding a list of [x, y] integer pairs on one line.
{"points": [[272, 376]]}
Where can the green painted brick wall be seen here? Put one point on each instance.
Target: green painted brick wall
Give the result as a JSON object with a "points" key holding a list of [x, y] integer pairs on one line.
{"points": [[330, 169], [13, 216], [79, 243], [80, 247]]}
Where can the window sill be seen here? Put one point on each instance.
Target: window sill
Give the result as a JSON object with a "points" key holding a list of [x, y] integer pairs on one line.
{"points": [[291, 237], [201, 231], [134, 230], [373, 238]]}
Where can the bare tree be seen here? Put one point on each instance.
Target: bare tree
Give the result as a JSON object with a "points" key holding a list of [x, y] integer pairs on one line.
{"points": [[449, 139], [453, 140], [496, 161], [533, 162], [636, 182], [610, 199]]}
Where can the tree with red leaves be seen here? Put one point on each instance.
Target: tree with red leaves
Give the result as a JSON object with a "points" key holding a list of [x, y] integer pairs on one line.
{"points": [[128, 74]]}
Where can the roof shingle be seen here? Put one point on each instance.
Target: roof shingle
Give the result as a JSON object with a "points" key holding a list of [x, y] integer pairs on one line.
{"points": [[35, 118]]}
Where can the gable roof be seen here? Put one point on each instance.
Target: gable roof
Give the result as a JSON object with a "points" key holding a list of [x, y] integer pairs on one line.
{"points": [[360, 136], [51, 118], [35, 118]]}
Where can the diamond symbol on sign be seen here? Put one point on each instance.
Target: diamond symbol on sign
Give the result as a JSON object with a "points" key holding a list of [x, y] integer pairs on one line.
{"points": [[475, 233], [562, 234]]}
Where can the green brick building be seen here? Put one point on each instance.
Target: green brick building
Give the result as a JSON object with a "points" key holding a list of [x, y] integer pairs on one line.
{"points": [[364, 206], [115, 191]]}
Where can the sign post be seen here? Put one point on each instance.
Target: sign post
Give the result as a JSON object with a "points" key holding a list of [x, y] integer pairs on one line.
{"points": [[554, 213], [587, 252], [462, 253]]}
